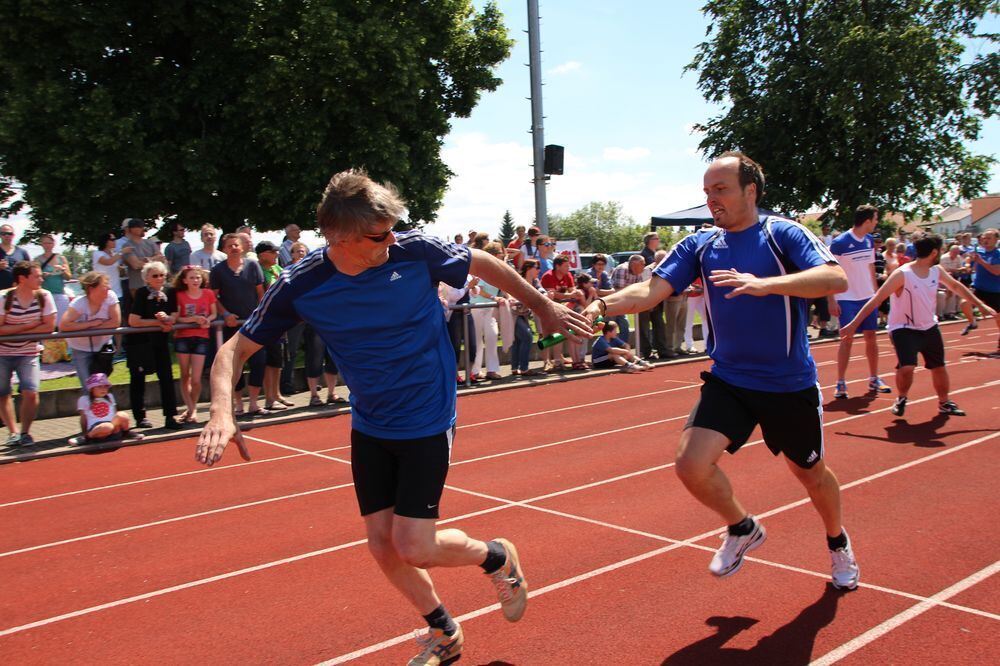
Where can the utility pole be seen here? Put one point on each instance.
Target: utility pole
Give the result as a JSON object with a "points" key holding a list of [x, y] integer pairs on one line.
{"points": [[537, 130]]}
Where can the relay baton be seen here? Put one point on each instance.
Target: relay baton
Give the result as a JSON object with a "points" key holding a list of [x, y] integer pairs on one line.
{"points": [[556, 338]]}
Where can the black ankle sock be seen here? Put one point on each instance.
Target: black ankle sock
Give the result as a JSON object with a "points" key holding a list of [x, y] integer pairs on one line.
{"points": [[495, 557], [837, 542], [742, 528], [440, 619]]}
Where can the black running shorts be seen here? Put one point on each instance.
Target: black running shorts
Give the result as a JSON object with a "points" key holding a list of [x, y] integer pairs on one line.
{"points": [[791, 423], [909, 342], [407, 474], [991, 298]]}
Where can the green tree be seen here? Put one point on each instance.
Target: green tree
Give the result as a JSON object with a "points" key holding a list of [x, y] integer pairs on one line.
{"points": [[599, 227], [507, 228], [847, 102], [232, 111]]}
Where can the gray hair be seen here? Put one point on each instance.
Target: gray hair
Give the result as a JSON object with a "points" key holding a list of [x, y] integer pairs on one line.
{"points": [[153, 265], [354, 204]]}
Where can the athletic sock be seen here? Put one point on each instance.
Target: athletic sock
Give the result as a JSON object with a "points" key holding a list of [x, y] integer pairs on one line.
{"points": [[837, 542], [742, 528], [496, 556], [439, 618]]}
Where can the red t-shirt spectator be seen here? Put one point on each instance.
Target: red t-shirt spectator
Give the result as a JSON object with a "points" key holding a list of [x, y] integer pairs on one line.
{"points": [[553, 282], [188, 307]]}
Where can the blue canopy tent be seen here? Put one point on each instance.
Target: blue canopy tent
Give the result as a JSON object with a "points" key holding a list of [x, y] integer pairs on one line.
{"points": [[691, 217]]}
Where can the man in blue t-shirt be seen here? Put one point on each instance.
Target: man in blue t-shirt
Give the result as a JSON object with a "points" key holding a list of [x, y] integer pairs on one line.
{"points": [[986, 275], [371, 295], [855, 251], [759, 273]]}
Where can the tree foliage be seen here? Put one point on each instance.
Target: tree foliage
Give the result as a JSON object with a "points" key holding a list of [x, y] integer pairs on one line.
{"points": [[232, 111], [599, 227], [847, 102], [507, 229]]}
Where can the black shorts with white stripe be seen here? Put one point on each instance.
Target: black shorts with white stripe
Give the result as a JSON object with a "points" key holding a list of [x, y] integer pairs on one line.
{"points": [[791, 422]]}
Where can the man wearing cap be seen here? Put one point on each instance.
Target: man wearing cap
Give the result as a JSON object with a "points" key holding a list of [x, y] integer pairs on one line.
{"points": [[137, 251], [267, 255], [10, 254]]}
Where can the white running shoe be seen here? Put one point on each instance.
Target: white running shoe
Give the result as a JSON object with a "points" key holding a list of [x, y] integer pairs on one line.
{"points": [[729, 558], [845, 571]]}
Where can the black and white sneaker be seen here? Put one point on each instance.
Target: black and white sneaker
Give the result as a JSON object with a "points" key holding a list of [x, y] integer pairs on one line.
{"points": [[729, 558], [950, 409], [899, 406], [971, 326]]}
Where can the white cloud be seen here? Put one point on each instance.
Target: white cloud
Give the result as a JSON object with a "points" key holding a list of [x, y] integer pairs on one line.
{"points": [[566, 68], [614, 154], [491, 177]]}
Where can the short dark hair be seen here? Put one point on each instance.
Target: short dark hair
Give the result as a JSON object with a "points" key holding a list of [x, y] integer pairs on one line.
{"points": [[527, 265], [228, 237], [559, 260], [599, 258], [750, 172], [927, 244], [648, 236], [863, 213], [23, 269]]}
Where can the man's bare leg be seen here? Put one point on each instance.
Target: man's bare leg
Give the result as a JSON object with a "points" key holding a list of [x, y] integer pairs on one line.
{"points": [[824, 491], [697, 468]]}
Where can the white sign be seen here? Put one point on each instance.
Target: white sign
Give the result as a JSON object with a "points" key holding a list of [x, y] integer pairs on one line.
{"points": [[571, 250]]}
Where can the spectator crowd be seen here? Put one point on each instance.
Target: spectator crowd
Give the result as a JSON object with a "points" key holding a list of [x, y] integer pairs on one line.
{"points": [[174, 293]]}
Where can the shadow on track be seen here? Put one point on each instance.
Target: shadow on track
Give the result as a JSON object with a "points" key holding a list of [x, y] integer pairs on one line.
{"points": [[790, 644], [922, 435]]}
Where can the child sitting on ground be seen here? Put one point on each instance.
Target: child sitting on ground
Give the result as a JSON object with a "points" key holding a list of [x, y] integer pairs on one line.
{"points": [[99, 420], [610, 351]]}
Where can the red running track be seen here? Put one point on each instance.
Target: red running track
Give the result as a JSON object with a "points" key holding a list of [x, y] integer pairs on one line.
{"points": [[141, 556]]}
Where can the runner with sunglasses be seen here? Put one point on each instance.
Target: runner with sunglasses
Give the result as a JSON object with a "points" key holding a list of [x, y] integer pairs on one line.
{"points": [[371, 295]]}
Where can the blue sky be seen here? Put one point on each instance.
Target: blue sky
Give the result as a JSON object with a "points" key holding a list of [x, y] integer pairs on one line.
{"points": [[615, 96]]}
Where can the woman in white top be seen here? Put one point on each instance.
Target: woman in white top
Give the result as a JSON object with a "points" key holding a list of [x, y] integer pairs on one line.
{"points": [[96, 308], [107, 261]]}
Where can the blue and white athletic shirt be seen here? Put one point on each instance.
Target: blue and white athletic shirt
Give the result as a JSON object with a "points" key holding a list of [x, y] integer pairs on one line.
{"points": [[855, 255], [383, 327], [758, 343]]}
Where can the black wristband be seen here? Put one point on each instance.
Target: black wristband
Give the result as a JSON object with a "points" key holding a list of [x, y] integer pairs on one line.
{"points": [[604, 304]]}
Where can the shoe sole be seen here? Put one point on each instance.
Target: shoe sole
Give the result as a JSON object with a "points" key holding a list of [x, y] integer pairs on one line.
{"points": [[512, 553], [750, 546], [846, 587]]}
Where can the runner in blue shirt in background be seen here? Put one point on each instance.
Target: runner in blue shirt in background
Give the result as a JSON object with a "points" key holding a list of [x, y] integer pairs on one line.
{"points": [[372, 296], [759, 273]]}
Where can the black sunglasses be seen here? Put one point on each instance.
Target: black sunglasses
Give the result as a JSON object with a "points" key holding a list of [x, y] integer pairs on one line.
{"points": [[6, 233], [377, 238]]}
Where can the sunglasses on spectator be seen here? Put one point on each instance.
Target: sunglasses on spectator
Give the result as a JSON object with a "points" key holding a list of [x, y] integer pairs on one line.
{"points": [[156, 275], [6, 233], [549, 244], [377, 238]]}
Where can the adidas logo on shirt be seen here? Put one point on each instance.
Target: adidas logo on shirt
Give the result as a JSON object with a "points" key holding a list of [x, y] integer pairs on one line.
{"points": [[812, 457], [720, 243], [394, 276]]}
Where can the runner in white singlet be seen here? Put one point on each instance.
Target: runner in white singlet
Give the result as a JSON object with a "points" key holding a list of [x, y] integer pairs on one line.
{"points": [[913, 322]]}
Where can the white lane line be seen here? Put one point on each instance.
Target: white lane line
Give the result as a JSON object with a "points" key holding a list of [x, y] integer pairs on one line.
{"points": [[302, 452], [316, 553], [166, 521], [164, 477], [371, 649], [582, 406], [902, 618]]}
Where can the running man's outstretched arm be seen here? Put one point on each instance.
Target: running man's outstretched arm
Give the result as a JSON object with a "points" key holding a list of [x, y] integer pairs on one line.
{"points": [[221, 427], [814, 282], [956, 287], [892, 283], [634, 298], [555, 317]]}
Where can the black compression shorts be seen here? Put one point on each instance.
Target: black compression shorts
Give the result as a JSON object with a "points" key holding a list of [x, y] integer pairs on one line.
{"points": [[407, 474]]}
